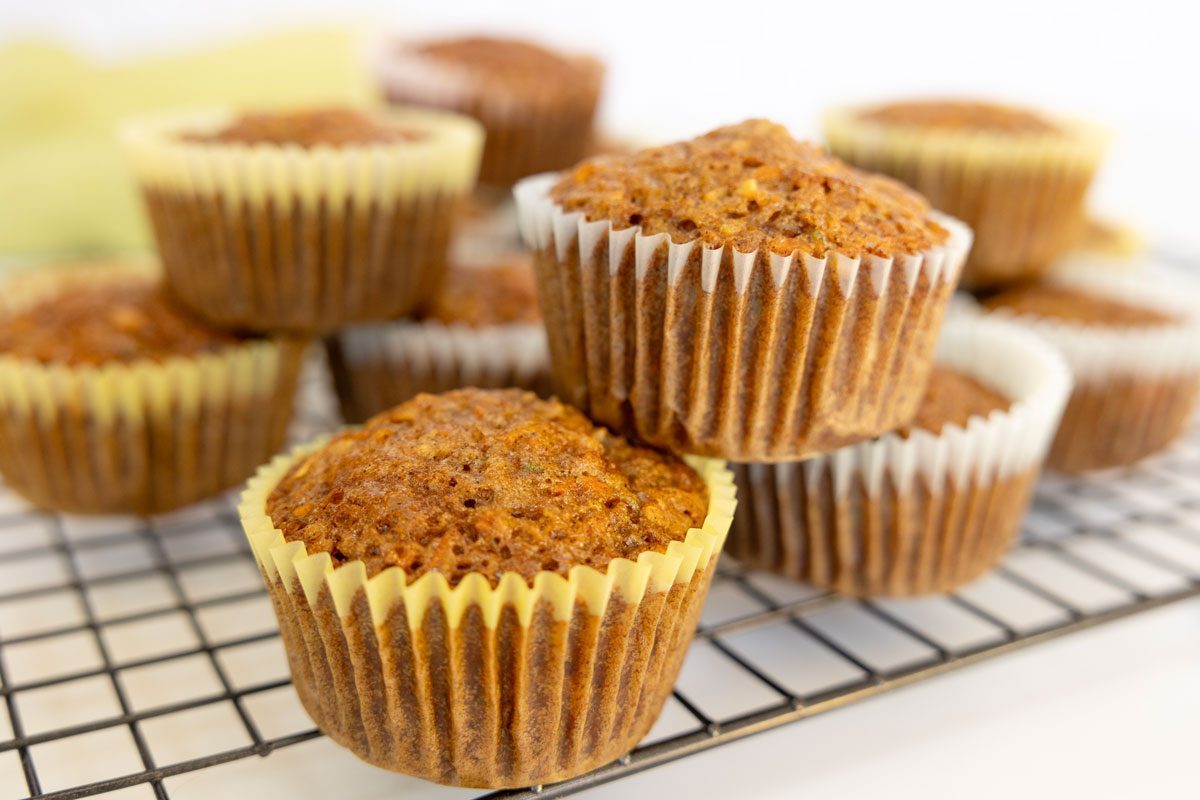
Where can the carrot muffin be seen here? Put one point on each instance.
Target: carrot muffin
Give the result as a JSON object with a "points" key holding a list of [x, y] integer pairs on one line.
{"points": [[1134, 347], [114, 400], [303, 220], [742, 294], [537, 105], [1017, 177], [930, 506], [482, 329], [503, 591]]}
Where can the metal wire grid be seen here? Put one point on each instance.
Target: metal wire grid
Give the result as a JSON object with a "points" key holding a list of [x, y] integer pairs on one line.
{"points": [[89, 608]]}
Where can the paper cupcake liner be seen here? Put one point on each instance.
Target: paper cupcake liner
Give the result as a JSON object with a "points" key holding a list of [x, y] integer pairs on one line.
{"points": [[269, 237], [1022, 196], [1135, 389], [143, 437], [747, 356], [919, 515], [528, 132], [379, 366], [517, 685]]}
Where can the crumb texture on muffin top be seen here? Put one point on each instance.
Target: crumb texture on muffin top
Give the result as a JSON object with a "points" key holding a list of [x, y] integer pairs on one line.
{"points": [[510, 62], [751, 186], [114, 321], [952, 397], [503, 293], [333, 127], [1068, 304], [961, 115], [489, 482]]}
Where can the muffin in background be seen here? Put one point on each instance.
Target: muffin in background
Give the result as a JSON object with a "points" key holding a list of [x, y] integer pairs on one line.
{"points": [[113, 400], [1133, 345], [1017, 177], [741, 295], [482, 329], [500, 592], [536, 104], [303, 220], [926, 508]]}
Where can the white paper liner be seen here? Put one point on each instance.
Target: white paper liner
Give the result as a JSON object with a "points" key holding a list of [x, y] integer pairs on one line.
{"points": [[1099, 353], [430, 356], [548, 229]]}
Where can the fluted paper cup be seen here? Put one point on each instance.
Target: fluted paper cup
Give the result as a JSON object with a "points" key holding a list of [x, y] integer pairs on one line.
{"points": [[927, 513]]}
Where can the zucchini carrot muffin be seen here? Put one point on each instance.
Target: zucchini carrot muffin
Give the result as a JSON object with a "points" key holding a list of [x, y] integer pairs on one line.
{"points": [[930, 506], [537, 105], [742, 295], [1133, 345], [484, 589], [482, 329], [1017, 177], [303, 220], [114, 400]]}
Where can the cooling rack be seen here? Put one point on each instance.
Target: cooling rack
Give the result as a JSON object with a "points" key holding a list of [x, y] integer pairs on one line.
{"points": [[140, 655]]}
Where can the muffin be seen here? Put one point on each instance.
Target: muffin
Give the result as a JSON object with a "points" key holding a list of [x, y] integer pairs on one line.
{"points": [[483, 589], [1133, 344], [303, 220], [536, 105], [113, 400], [482, 330], [741, 295], [1017, 177], [930, 506]]}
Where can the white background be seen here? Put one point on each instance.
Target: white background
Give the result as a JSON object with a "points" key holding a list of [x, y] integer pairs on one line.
{"points": [[1109, 713]]}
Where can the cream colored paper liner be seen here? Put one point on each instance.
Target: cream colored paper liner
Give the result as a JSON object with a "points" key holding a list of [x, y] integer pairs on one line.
{"points": [[142, 437], [530, 129], [266, 237], [1022, 195], [747, 356], [381, 365], [924, 514], [517, 685], [1135, 389]]}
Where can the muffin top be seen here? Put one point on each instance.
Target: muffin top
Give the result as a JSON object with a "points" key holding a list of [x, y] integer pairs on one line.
{"points": [[120, 320], [751, 186], [503, 293], [332, 127], [952, 397], [511, 63], [1076, 306], [961, 115], [485, 481]]}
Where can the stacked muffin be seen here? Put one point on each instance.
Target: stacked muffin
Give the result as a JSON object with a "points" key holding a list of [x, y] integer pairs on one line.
{"points": [[748, 296]]}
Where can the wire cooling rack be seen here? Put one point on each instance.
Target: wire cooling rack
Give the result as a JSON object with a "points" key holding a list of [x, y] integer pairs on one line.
{"points": [[140, 655]]}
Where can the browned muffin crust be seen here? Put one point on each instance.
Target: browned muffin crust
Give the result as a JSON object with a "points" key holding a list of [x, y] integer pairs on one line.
{"points": [[750, 186], [496, 294], [119, 321], [961, 115], [1072, 305], [334, 127], [511, 62], [485, 481], [952, 397]]}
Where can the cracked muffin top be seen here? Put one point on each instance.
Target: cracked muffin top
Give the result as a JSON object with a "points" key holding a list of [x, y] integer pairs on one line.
{"points": [[752, 185], [117, 320], [961, 115], [503, 293], [333, 127], [512, 63], [1072, 305], [952, 397], [488, 481]]}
